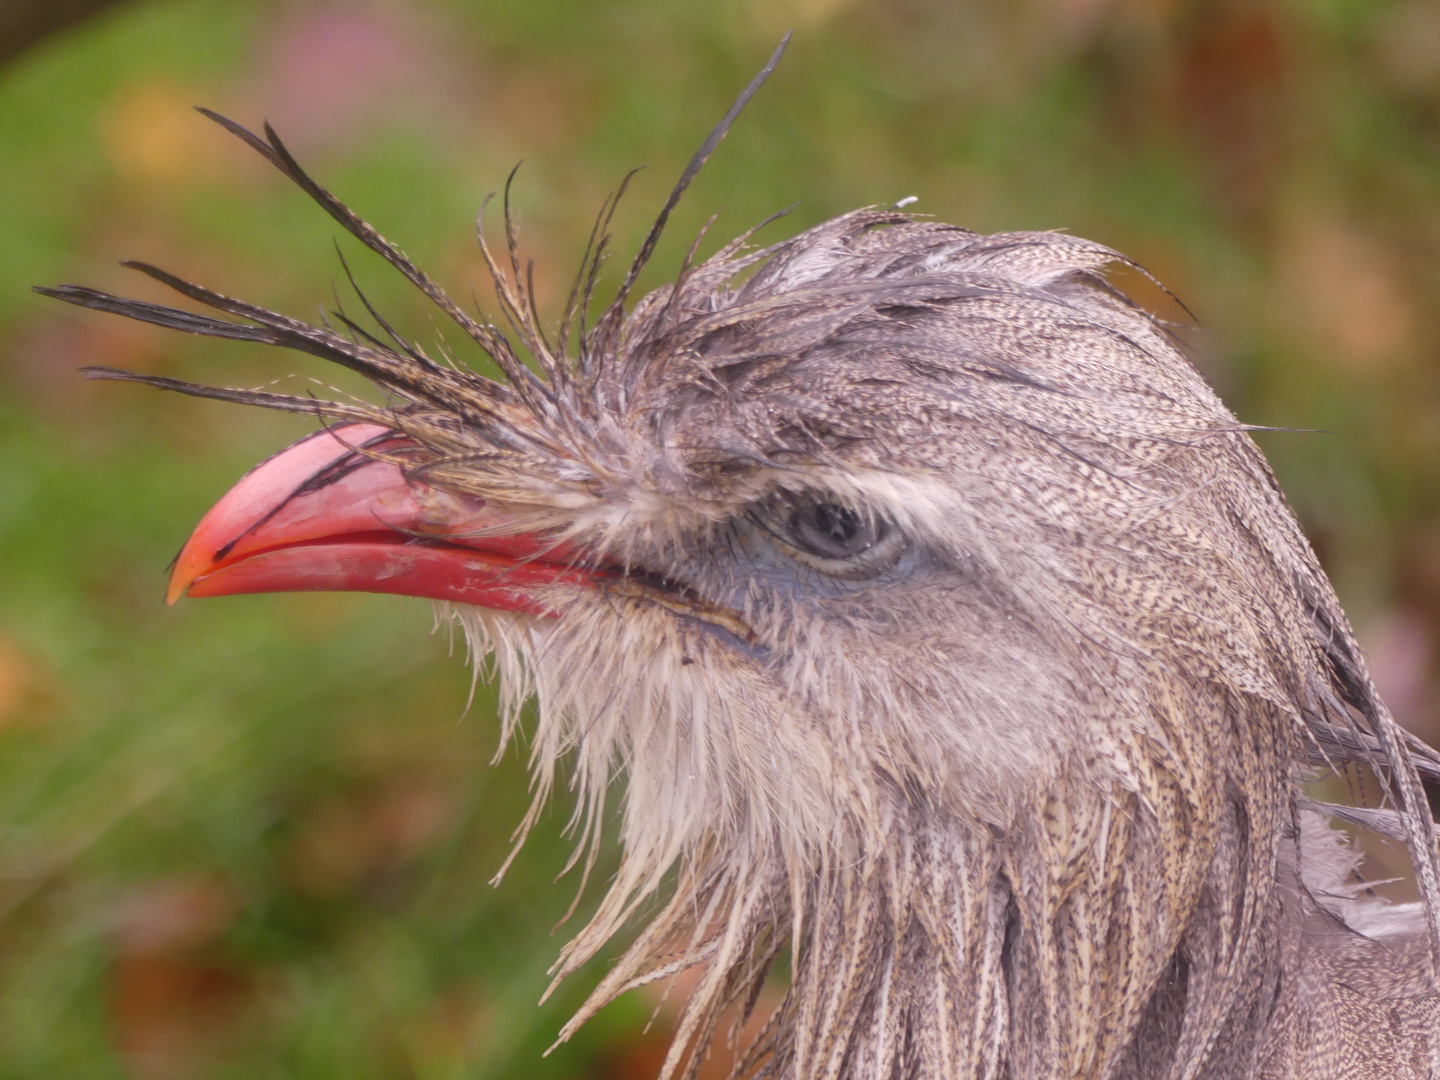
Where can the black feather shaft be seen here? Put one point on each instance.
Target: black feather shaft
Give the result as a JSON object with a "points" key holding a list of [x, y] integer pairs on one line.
{"points": [[278, 155], [332, 410], [611, 319]]}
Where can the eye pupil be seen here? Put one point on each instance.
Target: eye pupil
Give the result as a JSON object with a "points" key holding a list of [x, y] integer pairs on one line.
{"points": [[837, 523]]}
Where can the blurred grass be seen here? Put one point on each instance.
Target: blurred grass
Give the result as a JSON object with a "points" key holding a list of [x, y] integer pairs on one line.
{"points": [[252, 837]]}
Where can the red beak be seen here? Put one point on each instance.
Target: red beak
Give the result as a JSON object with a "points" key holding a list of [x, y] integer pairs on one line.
{"points": [[323, 516]]}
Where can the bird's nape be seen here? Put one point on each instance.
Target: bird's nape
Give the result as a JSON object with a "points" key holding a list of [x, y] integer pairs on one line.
{"points": [[953, 638]]}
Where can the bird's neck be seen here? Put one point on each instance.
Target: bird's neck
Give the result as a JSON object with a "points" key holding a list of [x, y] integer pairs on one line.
{"points": [[1057, 952], [1114, 932]]}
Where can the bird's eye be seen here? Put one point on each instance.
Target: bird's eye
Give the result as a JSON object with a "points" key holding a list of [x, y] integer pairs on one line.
{"points": [[834, 538], [832, 531]]}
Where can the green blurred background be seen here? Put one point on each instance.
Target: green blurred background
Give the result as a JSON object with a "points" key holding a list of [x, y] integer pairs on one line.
{"points": [[252, 837]]}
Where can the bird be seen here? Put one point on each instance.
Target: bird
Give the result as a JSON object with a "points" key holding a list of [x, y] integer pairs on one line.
{"points": [[959, 651]]}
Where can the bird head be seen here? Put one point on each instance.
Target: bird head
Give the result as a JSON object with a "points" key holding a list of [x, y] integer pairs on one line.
{"points": [[947, 629]]}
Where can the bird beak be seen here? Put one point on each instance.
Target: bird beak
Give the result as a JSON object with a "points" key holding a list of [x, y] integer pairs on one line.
{"points": [[325, 515]]}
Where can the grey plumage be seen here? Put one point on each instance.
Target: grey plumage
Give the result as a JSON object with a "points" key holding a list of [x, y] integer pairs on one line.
{"points": [[1018, 787]]}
